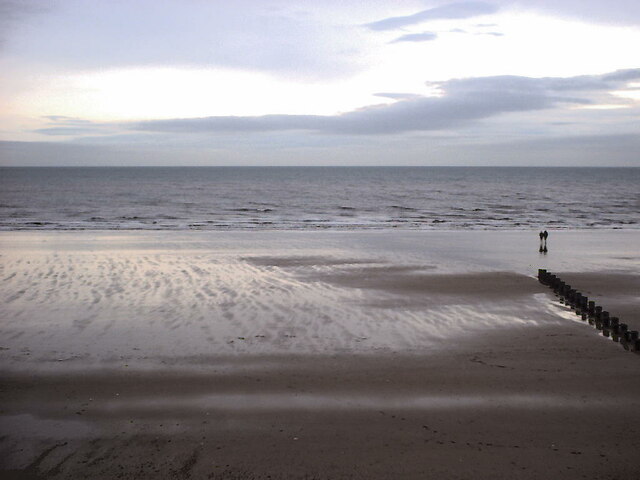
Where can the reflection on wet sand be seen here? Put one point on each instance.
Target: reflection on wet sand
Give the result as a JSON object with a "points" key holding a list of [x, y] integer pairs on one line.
{"points": [[119, 306]]}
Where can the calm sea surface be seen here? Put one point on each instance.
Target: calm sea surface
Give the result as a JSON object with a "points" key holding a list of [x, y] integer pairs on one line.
{"points": [[211, 198]]}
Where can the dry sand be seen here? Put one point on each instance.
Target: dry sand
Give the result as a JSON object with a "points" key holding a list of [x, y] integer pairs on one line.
{"points": [[315, 355]]}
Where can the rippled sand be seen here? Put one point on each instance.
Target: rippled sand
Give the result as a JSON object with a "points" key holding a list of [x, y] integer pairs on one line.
{"points": [[377, 355], [96, 305]]}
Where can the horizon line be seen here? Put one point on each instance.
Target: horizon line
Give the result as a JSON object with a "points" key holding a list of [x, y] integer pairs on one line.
{"points": [[319, 166]]}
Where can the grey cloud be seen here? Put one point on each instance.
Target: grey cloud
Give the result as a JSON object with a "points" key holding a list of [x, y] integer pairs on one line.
{"points": [[61, 125], [578, 150], [623, 75], [264, 123], [560, 85], [464, 100], [64, 131], [424, 113], [14, 153], [451, 11], [416, 37]]}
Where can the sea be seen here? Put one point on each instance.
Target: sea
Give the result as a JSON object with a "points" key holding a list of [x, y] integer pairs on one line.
{"points": [[314, 198]]}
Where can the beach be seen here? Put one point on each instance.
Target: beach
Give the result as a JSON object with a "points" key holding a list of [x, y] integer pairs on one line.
{"points": [[315, 354]]}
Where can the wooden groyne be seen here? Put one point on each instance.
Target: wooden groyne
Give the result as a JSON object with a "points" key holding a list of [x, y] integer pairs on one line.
{"points": [[601, 319]]}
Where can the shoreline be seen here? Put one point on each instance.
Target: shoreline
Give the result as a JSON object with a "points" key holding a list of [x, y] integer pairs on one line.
{"points": [[348, 228]]}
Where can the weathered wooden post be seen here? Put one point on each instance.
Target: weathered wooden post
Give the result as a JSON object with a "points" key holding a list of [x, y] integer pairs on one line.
{"points": [[604, 317], [615, 322], [578, 303], [630, 338], [542, 276], [619, 331]]}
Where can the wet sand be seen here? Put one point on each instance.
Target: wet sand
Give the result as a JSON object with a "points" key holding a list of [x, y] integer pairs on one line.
{"points": [[378, 355]]}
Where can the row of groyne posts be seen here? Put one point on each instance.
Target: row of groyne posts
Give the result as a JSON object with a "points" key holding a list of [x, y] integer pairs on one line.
{"points": [[611, 327]]}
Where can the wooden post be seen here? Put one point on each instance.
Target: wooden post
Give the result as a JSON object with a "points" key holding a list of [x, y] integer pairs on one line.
{"points": [[598, 313], [542, 276]]}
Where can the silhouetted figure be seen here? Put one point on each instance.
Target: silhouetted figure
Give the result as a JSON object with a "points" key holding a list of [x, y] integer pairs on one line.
{"points": [[543, 241]]}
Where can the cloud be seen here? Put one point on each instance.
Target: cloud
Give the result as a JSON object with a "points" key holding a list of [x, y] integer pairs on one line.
{"points": [[14, 153], [276, 37], [463, 101], [416, 37], [66, 131], [573, 150], [451, 11], [623, 75], [13, 12], [61, 125], [570, 150]]}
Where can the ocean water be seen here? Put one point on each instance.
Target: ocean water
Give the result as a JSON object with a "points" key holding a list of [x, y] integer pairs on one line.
{"points": [[231, 198]]}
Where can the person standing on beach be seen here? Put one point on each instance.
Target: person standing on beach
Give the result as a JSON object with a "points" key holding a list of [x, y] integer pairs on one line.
{"points": [[541, 239]]}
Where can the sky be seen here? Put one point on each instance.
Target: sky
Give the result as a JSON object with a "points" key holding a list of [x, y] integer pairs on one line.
{"points": [[308, 82]]}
